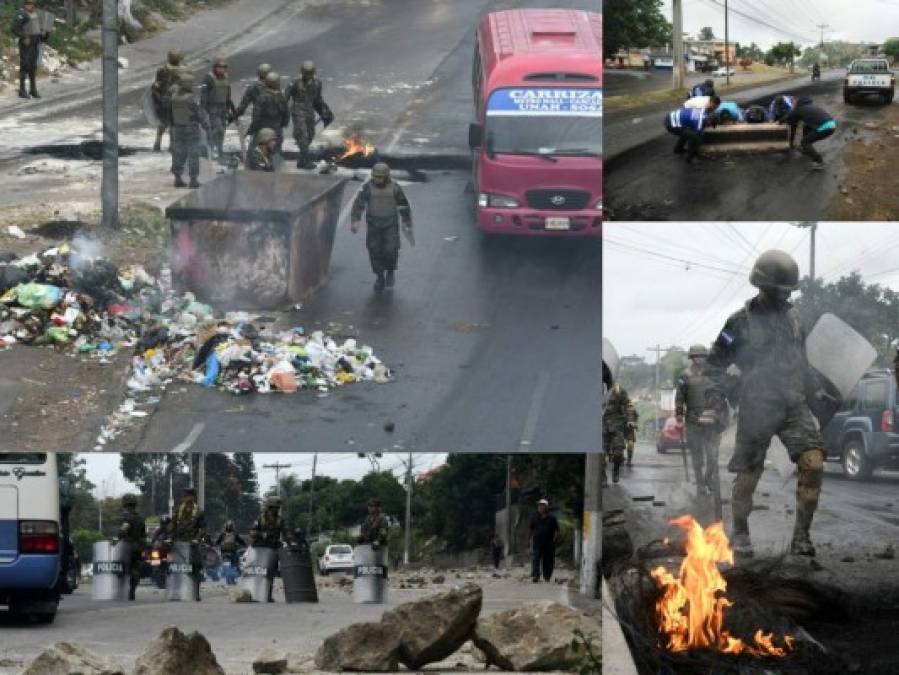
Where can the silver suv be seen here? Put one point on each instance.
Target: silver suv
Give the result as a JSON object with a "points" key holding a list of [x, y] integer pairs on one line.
{"points": [[869, 76]]}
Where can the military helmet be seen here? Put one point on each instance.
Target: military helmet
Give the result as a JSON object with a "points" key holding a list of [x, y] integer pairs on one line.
{"points": [[129, 500], [175, 56], [374, 502], [229, 525], [263, 70], [697, 350], [775, 269], [220, 61], [190, 491], [186, 81], [273, 80], [308, 68], [272, 501], [265, 135], [380, 170]]}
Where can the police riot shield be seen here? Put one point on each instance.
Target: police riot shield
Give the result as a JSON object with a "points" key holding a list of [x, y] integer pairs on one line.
{"points": [[370, 574], [258, 573], [112, 570], [609, 366], [180, 583], [839, 353], [148, 107]]}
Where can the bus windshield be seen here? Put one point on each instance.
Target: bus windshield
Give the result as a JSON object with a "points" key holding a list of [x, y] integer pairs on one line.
{"points": [[551, 122]]}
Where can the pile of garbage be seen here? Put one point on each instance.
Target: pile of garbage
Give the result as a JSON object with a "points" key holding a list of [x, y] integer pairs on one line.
{"points": [[72, 298]]}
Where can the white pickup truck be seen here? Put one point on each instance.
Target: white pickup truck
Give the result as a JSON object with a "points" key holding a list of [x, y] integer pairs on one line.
{"points": [[869, 76]]}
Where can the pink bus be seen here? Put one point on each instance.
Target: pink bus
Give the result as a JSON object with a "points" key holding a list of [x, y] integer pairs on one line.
{"points": [[537, 139]]}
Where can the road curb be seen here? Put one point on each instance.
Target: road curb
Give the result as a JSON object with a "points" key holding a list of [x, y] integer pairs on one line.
{"points": [[616, 654]]}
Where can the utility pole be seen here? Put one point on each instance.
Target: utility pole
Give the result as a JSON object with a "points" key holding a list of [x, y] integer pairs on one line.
{"points": [[822, 27], [813, 229], [201, 480], [591, 527], [658, 349], [171, 491], [677, 35], [509, 548], [311, 494], [109, 197], [277, 466], [726, 43], [407, 534]]}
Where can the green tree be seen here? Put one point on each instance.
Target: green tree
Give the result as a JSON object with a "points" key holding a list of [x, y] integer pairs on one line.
{"points": [[244, 472], [83, 540], [633, 25], [706, 33], [891, 49], [151, 473], [784, 53]]}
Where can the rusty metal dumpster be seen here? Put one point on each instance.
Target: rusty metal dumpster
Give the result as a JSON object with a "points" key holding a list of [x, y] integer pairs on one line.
{"points": [[255, 240]]}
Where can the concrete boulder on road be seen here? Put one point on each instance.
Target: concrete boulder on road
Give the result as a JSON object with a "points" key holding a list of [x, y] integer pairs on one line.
{"points": [[538, 636], [371, 647], [65, 658], [174, 653]]}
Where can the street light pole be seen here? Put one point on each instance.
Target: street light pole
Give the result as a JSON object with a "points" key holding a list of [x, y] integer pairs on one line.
{"points": [[677, 44], [311, 493], [407, 535], [109, 197], [509, 547], [726, 42]]}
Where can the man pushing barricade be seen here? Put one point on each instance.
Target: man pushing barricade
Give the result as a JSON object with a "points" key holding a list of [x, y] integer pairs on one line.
{"points": [[384, 204], [266, 537], [817, 124], [188, 530], [688, 124]]}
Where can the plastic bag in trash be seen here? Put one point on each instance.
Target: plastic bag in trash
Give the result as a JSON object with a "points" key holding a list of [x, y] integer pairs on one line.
{"points": [[38, 296], [212, 371]]}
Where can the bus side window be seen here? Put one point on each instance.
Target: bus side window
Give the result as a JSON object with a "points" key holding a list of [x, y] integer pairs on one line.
{"points": [[476, 77]]}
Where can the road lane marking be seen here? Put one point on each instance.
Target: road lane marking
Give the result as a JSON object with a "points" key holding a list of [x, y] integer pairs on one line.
{"points": [[190, 439], [530, 423]]}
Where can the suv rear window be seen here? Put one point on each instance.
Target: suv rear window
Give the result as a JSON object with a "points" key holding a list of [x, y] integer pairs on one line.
{"points": [[869, 67], [876, 394], [341, 550]]}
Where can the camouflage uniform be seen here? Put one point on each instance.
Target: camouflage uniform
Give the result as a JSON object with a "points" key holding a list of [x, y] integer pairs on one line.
{"points": [[383, 206], [186, 118], [133, 530], [258, 160], [189, 525], [163, 85], [631, 433], [767, 344], [268, 531], [305, 97], [27, 28], [374, 530], [270, 112], [703, 439], [216, 102], [614, 428]]}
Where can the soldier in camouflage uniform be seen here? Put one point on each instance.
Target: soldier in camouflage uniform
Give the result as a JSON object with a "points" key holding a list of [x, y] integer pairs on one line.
{"points": [[375, 526], [189, 525], [216, 101], [133, 530], [270, 110], [384, 203], [615, 428], [766, 341], [305, 97], [26, 26], [689, 404], [262, 156], [163, 86], [251, 93], [187, 117], [631, 434], [269, 531]]}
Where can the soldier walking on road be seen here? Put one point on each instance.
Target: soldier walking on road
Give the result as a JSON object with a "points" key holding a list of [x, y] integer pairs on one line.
{"points": [[702, 437], [615, 428], [132, 530], [251, 93], [189, 526], [217, 104], [187, 118], [270, 110], [374, 527], [269, 531], [305, 97], [543, 535], [384, 203], [26, 26], [262, 156], [163, 86], [631, 433], [766, 341]]}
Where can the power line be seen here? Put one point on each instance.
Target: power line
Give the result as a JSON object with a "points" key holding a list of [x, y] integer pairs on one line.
{"points": [[762, 22], [685, 261]]}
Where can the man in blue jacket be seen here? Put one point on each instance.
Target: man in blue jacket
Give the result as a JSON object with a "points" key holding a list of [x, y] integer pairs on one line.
{"points": [[688, 124]]}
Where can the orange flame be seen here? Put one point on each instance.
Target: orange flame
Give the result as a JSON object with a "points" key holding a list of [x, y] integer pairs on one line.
{"points": [[353, 146], [690, 613]]}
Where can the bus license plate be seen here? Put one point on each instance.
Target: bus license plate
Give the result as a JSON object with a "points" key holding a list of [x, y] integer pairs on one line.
{"points": [[558, 224]]}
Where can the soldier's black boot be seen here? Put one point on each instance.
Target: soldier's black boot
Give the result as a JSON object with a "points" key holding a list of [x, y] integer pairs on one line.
{"points": [[179, 182], [194, 183], [379, 282], [22, 92], [616, 471], [391, 279], [157, 146], [132, 590], [740, 541], [802, 542]]}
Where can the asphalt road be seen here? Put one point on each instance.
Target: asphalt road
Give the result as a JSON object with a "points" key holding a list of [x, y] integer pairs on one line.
{"points": [[644, 180], [121, 631], [854, 523], [495, 343]]}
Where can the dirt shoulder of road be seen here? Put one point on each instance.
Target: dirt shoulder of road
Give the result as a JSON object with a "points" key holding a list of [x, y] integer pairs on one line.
{"points": [[868, 190]]}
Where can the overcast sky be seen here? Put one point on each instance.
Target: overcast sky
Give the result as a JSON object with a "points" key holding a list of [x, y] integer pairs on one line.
{"points": [[785, 20], [103, 469], [676, 283]]}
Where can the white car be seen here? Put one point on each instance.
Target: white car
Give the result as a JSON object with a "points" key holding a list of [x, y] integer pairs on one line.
{"points": [[869, 76], [724, 72], [337, 558]]}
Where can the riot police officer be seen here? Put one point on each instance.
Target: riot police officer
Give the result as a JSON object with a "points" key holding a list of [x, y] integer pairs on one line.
{"points": [[766, 341], [384, 203], [189, 525], [269, 531], [374, 527], [217, 103], [132, 530], [305, 97]]}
